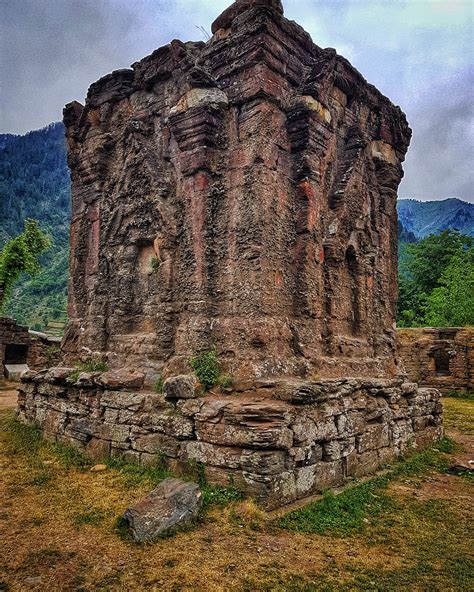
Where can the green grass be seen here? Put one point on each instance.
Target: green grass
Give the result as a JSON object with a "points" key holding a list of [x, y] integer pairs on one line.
{"points": [[91, 516], [137, 474], [343, 514], [90, 366], [350, 511], [467, 395]]}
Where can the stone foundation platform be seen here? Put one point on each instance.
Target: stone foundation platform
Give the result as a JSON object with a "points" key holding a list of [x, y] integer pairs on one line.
{"points": [[278, 440]]}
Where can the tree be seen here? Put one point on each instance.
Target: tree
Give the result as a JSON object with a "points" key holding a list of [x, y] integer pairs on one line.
{"points": [[430, 257], [427, 284], [452, 303], [21, 255]]}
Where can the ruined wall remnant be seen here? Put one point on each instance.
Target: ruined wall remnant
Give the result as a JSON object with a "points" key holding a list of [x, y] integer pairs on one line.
{"points": [[20, 348], [276, 440], [440, 358], [239, 192]]}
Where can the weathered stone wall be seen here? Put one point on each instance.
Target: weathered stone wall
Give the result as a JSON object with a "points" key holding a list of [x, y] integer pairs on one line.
{"points": [[440, 358], [40, 351], [242, 193], [276, 440]]}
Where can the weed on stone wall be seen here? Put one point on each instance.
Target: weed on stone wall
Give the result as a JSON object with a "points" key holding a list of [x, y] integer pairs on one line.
{"points": [[206, 367]]}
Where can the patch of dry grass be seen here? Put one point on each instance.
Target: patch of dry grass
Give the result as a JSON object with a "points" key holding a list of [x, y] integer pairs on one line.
{"points": [[459, 414], [58, 522]]}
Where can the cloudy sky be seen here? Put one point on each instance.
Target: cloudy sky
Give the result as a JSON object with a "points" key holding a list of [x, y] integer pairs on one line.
{"points": [[418, 52]]}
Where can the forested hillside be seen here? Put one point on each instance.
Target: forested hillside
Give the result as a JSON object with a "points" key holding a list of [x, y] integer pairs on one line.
{"points": [[34, 183], [432, 217]]}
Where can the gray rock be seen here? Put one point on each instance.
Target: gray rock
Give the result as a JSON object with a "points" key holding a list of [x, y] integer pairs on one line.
{"points": [[182, 387], [172, 503]]}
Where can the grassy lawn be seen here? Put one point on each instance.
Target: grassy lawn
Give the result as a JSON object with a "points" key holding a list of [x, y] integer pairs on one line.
{"points": [[410, 529]]}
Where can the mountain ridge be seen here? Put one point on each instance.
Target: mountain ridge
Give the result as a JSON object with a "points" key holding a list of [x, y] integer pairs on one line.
{"points": [[423, 218]]}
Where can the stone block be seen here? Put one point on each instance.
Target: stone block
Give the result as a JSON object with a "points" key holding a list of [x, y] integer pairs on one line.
{"points": [[375, 436], [157, 444], [172, 503], [122, 400], [123, 378], [182, 387], [98, 449]]}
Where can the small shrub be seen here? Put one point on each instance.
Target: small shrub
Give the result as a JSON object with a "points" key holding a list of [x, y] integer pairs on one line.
{"points": [[93, 365], [226, 381], [159, 385], [206, 367], [90, 365], [155, 264]]}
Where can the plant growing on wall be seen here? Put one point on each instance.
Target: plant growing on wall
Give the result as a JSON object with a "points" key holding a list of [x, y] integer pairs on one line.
{"points": [[21, 255], [206, 367]]}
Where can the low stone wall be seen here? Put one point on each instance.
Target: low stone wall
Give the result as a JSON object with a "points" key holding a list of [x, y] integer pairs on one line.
{"points": [[439, 358], [39, 350], [277, 440]]}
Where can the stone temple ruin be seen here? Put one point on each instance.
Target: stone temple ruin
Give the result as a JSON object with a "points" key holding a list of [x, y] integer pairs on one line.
{"points": [[237, 194]]}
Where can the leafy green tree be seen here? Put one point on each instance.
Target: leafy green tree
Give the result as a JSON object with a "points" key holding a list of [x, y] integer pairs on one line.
{"points": [[434, 281], [21, 255], [430, 257], [452, 303]]}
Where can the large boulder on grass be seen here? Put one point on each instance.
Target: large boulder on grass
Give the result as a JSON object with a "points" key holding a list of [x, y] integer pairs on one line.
{"points": [[172, 503]]}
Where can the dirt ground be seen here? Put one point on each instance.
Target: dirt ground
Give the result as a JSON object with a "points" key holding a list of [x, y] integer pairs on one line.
{"points": [[58, 525], [8, 395]]}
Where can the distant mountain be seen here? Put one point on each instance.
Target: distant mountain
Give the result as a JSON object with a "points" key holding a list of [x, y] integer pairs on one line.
{"points": [[423, 218], [35, 183]]}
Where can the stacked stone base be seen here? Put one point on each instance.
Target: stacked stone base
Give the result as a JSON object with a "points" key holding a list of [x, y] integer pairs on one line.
{"points": [[278, 441]]}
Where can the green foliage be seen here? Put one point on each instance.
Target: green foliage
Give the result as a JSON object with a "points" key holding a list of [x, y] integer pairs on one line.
{"points": [[92, 365], [206, 367], [436, 281], [155, 264], [159, 385], [35, 183], [150, 475], [216, 495], [226, 381], [452, 303], [21, 255]]}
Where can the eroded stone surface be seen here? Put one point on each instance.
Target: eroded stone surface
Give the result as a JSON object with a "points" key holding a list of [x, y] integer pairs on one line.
{"points": [[242, 193], [172, 503]]}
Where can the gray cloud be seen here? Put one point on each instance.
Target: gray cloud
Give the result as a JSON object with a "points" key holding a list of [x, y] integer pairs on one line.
{"points": [[418, 52]]}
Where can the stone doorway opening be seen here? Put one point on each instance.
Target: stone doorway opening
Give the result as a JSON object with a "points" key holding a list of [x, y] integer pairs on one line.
{"points": [[15, 360], [441, 360], [15, 353]]}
